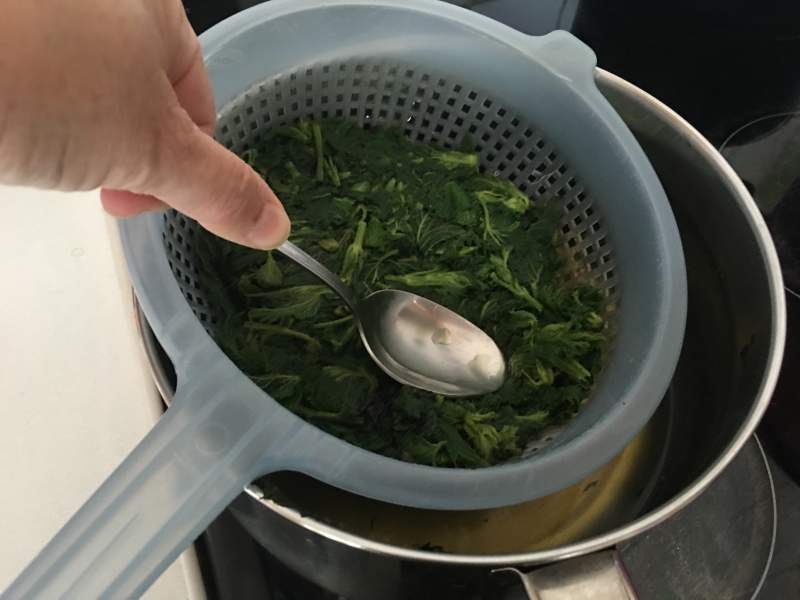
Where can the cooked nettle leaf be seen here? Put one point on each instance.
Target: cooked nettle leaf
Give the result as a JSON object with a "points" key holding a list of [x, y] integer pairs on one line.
{"points": [[384, 212], [445, 279]]}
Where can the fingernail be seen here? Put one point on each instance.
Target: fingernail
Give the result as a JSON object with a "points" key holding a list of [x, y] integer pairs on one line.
{"points": [[272, 228]]}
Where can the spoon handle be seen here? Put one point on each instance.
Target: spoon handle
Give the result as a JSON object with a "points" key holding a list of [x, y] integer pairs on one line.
{"points": [[306, 261]]}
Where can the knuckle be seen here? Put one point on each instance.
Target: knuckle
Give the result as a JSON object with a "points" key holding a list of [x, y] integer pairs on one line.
{"points": [[28, 159], [167, 148]]}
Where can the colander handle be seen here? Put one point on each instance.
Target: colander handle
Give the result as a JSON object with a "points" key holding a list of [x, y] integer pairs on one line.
{"points": [[569, 58], [191, 465]]}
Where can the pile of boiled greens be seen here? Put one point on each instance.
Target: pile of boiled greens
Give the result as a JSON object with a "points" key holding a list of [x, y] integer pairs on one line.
{"points": [[384, 212]]}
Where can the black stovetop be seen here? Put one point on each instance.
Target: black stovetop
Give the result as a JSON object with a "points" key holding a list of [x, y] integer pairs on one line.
{"points": [[730, 68]]}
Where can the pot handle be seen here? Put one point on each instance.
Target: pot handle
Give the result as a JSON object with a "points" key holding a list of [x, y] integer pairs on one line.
{"points": [[599, 576]]}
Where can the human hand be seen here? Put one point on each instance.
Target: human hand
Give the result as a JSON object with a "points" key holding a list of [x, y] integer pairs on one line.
{"points": [[115, 95]]}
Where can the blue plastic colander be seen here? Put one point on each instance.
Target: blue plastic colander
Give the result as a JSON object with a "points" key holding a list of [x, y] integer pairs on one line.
{"points": [[441, 72]]}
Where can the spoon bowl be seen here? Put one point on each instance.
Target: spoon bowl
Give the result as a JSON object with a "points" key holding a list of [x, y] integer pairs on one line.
{"points": [[425, 345], [415, 340]]}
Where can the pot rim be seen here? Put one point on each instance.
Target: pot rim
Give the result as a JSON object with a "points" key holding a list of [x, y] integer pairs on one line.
{"points": [[653, 518]]}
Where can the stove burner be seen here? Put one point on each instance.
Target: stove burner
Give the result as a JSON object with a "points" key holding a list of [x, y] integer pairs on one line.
{"points": [[766, 155], [720, 546]]}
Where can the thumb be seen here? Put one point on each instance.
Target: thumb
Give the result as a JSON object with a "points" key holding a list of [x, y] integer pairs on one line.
{"points": [[200, 178]]}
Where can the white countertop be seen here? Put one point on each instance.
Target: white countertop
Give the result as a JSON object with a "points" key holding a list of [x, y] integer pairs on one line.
{"points": [[76, 392]]}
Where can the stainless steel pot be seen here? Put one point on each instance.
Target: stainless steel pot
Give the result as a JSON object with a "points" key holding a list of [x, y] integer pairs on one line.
{"points": [[727, 372]]}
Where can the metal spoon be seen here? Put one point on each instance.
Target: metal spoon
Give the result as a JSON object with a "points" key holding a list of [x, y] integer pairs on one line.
{"points": [[416, 341]]}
